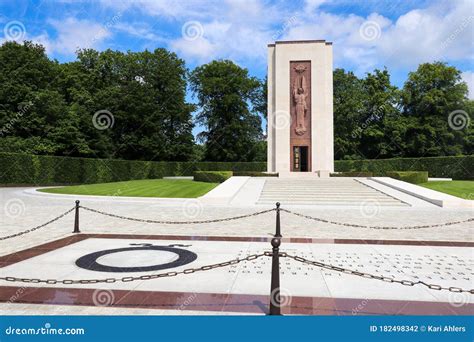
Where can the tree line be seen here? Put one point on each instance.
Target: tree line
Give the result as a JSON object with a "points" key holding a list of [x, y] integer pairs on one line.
{"points": [[132, 105], [429, 116]]}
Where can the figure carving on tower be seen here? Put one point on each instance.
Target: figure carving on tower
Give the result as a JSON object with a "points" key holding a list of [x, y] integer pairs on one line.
{"points": [[300, 94]]}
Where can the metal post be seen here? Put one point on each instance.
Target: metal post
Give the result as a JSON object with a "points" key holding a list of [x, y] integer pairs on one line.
{"points": [[275, 301], [278, 233], [76, 219]]}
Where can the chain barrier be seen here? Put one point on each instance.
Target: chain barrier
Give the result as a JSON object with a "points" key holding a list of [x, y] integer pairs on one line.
{"points": [[129, 279], [234, 262], [372, 276], [37, 227], [177, 222], [235, 218], [376, 227]]}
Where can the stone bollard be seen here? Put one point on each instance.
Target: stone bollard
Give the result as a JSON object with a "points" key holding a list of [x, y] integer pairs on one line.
{"points": [[76, 219]]}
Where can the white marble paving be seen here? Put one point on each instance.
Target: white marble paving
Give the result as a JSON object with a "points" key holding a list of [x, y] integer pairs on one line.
{"points": [[446, 266], [252, 277]]}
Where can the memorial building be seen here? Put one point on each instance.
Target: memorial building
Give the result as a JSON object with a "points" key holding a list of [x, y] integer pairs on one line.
{"points": [[300, 108]]}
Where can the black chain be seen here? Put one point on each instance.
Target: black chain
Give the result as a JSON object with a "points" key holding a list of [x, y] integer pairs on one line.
{"points": [[128, 279], [233, 262], [376, 227], [37, 227], [372, 276], [177, 222]]}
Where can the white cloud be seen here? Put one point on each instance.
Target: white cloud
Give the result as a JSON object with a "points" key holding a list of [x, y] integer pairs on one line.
{"points": [[199, 49], [70, 34], [241, 29], [167, 9], [138, 30], [238, 31], [44, 40], [468, 77], [443, 31], [73, 34], [440, 32], [311, 5]]}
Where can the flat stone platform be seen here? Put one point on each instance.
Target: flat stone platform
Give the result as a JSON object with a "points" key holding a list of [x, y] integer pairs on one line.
{"points": [[54, 250], [438, 198], [243, 287]]}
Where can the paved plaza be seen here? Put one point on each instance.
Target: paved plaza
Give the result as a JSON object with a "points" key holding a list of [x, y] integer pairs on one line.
{"points": [[110, 247]]}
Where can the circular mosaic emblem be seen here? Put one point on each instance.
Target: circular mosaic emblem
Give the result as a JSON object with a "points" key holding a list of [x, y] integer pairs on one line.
{"points": [[176, 257]]}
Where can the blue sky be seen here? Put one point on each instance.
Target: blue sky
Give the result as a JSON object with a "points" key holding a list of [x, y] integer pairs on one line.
{"points": [[365, 34]]}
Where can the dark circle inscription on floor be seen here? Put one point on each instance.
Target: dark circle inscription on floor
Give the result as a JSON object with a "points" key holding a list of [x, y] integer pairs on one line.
{"points": [[89, 261]]}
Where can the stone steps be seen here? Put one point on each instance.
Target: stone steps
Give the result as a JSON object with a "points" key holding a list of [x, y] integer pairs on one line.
{"points": [[323, 193], [317, 192], [322, 199], [334, 203], [336, 191]]}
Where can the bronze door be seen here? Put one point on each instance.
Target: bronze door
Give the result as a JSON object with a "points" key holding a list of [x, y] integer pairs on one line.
{"points": [[300, 159]]}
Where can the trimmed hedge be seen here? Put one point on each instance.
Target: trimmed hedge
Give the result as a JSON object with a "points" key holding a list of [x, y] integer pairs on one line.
{"points": [[254, 174], [352, 174], [414, 177], [456, 167], [212, 176], [25, 169]]}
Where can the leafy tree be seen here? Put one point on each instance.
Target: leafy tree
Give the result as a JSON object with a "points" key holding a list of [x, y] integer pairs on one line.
{"points": [[260, 98], [145, 92], [226, 97], [261, 151], [429, 95], [374, 119], [381, 107], [47, 108], [348, 114], [198, 153], [34, 115]]}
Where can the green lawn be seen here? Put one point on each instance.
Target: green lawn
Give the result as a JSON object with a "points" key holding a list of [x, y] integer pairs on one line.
{"points": [[179, 188], [463, 189]]}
